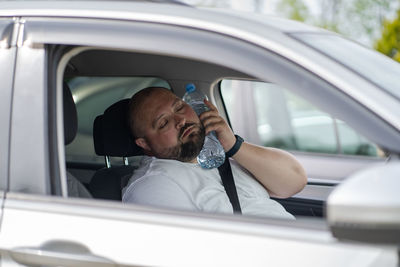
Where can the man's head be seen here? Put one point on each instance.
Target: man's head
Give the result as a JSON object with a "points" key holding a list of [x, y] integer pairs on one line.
{"points": [[164, 125]]}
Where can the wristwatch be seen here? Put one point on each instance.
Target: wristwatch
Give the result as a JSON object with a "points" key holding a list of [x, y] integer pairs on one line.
{"points": [[236, 147]]}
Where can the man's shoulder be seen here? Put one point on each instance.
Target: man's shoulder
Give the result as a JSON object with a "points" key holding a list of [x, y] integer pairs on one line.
{"points": [[150, 166], [154, 163], [167, 167], [153, 172], [164, 173], [141, 189]]}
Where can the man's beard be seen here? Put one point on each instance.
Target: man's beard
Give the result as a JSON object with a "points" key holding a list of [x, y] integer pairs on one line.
{"points": [[189, 150]]}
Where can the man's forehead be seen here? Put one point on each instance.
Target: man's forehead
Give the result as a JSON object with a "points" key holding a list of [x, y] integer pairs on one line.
{"points": [[156, 103], [160, 99]]}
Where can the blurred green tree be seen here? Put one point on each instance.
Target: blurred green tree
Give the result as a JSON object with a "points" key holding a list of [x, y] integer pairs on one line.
{"points": [[366, 17], [389, 43], [360, 20], [331, 11], [293, 9]]}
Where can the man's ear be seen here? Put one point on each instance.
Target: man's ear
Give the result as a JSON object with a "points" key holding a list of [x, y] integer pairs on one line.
{"points": [[141, 142]]}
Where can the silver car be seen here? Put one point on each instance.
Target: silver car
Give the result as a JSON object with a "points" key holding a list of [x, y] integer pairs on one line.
{"points": [[332, 103]]}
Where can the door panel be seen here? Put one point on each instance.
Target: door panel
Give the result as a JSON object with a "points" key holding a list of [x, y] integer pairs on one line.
{"points": [[42, 229]]}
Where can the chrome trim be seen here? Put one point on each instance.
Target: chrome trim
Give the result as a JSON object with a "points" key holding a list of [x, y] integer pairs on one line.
{"points": [[107, 161], [323, 182], [126, 161], [21, 31]]}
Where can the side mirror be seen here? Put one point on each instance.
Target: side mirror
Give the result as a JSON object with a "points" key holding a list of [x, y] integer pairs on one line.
{"points": [[366, 207]]}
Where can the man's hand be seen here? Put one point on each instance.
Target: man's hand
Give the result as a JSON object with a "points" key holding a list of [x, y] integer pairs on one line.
{"points": [[212, 121]]}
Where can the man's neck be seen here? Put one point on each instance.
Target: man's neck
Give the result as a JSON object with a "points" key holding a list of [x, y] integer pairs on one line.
{"points": [[194, 160]]}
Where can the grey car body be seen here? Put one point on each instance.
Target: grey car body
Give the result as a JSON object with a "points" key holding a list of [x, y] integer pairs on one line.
{"points": [[45, 43]]}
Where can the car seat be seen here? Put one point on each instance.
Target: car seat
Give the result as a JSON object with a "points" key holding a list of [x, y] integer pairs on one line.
{"points": [[75, 187], [112, 138]]}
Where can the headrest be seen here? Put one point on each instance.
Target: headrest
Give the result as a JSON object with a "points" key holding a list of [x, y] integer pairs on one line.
{"points": [[70, 116], [111, 134]]}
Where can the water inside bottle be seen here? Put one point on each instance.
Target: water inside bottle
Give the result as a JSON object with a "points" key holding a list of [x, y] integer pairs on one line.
{"points": [[198, 107], [210, 162], [212, 155]]}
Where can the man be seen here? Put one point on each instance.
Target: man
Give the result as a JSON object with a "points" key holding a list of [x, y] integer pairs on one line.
{"points": [[172, 135]]}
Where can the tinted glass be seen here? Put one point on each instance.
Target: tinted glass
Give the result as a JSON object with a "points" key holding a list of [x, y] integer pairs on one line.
{"points": [[92, 95], [269, 115]]}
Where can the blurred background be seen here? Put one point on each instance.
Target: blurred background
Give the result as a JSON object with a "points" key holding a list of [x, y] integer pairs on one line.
{"points": [[373, 23]]}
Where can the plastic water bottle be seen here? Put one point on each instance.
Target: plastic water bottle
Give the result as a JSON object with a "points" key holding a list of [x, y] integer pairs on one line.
{"points": [[212, 155]]}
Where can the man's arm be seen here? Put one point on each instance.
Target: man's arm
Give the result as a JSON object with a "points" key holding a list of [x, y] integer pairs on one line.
{"points": [[277, 170]]}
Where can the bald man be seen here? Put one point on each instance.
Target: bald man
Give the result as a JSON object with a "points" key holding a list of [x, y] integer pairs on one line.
{"points": [[172, 135]]}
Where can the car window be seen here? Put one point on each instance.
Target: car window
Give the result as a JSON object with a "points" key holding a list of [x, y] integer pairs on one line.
{"points": [[92, 95], [273, 116]]}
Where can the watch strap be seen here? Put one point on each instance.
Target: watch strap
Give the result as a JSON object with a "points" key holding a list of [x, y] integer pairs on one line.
{"points": [[236, 147]]}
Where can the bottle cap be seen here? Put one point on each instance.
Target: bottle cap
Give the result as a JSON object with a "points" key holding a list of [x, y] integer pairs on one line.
{"points": [[190, 87]]}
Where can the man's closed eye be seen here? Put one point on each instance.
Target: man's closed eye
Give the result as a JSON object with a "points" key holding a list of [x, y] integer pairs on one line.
{"points": [[163, 124]]}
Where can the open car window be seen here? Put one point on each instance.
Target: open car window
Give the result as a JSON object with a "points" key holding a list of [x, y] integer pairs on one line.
{"points": [[92, 96]]}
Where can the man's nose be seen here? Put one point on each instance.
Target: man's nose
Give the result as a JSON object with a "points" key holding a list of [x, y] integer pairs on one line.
{"points": [[180, 121]]}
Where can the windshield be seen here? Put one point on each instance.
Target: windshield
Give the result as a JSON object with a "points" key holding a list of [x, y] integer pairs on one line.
{"points": [[372, 65]]}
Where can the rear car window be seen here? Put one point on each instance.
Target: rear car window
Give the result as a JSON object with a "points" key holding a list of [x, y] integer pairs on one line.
{"points": [[92, 95]]}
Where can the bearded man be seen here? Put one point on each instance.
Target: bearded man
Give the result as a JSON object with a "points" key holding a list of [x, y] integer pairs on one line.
{"points": [[172, 135]]}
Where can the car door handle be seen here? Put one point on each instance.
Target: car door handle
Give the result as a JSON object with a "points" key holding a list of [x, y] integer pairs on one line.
{"points": [[59, 253]]}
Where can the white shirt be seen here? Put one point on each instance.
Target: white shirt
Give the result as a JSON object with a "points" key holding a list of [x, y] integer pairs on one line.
{"points": [[179, 185]]}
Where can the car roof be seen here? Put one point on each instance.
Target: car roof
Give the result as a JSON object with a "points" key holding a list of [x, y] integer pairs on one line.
{"points": [[173, 12]]}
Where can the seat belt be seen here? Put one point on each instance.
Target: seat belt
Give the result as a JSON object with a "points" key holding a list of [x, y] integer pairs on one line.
{"points": [[225, 171]]}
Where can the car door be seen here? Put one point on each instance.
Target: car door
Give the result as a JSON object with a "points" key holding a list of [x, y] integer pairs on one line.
{"points": [[41, 226], [7, 60]]}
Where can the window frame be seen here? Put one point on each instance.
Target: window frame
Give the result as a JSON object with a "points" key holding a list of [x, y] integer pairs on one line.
{"points": [[8, 52]]}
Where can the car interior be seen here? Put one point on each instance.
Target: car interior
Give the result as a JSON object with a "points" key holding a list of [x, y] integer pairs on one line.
{"points": [[112, 138], [103, 156]]}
